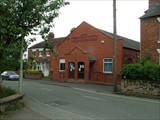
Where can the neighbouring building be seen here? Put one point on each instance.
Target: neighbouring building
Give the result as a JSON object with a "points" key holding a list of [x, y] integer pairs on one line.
{"points": [[150, 32], [40, 56], [86, 55]]}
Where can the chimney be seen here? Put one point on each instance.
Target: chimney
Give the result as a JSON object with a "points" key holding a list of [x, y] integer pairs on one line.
{"points": [[153, 3], [72, 29]]}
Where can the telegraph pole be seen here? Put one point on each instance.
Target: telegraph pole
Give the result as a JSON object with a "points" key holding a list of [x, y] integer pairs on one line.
{"points": [[114, 46], [21, 69]]}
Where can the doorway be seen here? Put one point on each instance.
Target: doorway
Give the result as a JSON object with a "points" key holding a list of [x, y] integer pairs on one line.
{"points": [[71, 70], [81, 69]]}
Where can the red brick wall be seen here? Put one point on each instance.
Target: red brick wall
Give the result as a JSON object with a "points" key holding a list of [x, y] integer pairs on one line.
{"points": [[149, 38], [130, 56], [90, 40], [36, 56]]}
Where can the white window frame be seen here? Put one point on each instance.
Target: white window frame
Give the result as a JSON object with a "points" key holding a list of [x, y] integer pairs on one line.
{"points": [[62, 61], [40, 53], [40, 49], [109, 72], [34, 50], [47, 53]]}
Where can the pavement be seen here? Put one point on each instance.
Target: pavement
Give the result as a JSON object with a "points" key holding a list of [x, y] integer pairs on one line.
{"points": [[80, 86], [25, 114], [67, 101]]}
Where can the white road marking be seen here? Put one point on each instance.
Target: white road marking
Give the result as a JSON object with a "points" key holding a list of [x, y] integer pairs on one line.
{"points": [[119, 96]]}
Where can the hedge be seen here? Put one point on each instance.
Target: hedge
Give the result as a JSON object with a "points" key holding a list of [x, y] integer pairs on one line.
{"points": [[146, 71], [33, 72]]}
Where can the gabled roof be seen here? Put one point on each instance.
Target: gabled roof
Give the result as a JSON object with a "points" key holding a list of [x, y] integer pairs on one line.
{"points": [[89, 56], [55, 41], [153, 11], [76, 47], [127, 43]]}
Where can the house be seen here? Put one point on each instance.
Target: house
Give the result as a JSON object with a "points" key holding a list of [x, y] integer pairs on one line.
{"points": [[150, 32], [86, 55], [40, 56]]}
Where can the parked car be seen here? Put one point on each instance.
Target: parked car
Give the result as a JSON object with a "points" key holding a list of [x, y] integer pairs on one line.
{"points": [[9, 75]]}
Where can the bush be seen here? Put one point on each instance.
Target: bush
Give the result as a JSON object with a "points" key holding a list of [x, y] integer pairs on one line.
{"points": [[146, 71], [33, 72], [151, 71], [133, 71], [4, 92]]}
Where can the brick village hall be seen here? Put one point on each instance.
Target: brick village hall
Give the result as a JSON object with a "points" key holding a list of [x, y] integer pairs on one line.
{"points": [[85, 55]]}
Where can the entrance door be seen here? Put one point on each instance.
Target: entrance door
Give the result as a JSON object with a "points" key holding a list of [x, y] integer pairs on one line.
{"points": [[71, 70], [81, 68], [44, 67]]}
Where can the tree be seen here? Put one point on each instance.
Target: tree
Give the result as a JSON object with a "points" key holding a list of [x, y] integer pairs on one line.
{"points": [[20, 18]]}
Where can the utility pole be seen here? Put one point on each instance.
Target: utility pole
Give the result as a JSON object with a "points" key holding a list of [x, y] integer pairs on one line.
{"points": [[114, 46], [21, 68]]}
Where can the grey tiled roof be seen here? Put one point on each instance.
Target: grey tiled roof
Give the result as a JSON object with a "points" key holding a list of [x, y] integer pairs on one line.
{"points": [[55, 41], [127, 43], [152, 12]]}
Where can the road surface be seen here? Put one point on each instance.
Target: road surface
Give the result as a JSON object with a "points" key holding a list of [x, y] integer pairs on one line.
{"points": [[67, 103]]}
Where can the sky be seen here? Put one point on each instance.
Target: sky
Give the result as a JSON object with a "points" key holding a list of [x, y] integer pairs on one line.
{"points": [[99, 13]]}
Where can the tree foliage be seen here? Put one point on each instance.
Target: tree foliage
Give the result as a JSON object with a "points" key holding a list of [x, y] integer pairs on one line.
{"points": [[20, 18]]}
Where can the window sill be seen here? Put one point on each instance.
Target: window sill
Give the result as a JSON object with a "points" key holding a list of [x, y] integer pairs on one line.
{"points": [[108, 72], [62, 71]]}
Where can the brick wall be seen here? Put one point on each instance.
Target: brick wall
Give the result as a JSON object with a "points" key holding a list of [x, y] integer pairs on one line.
{"points": [[149, 38], [36, 55], [130, 56], [153, 2], [89, 40]]}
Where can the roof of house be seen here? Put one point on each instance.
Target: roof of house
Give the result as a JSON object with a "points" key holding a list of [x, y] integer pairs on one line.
{"points": [[55, 41], [128, 43], [152, 12]]}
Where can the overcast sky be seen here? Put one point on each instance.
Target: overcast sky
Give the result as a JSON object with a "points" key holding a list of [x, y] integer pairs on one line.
{"points": [[99, 14]]}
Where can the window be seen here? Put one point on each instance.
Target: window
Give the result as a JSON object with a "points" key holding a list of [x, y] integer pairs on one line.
{"points": [[62, 65], [47, 53], [40, 53], [107, 65]]}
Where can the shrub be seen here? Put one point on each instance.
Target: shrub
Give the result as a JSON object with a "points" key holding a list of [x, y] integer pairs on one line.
{"points": [[132, 71], [33, 72], [4, 92], [150, 71], [145, 70]]}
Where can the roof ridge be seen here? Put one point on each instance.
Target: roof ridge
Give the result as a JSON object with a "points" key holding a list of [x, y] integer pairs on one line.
{"points": [[117, 35], [37, 44]]}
